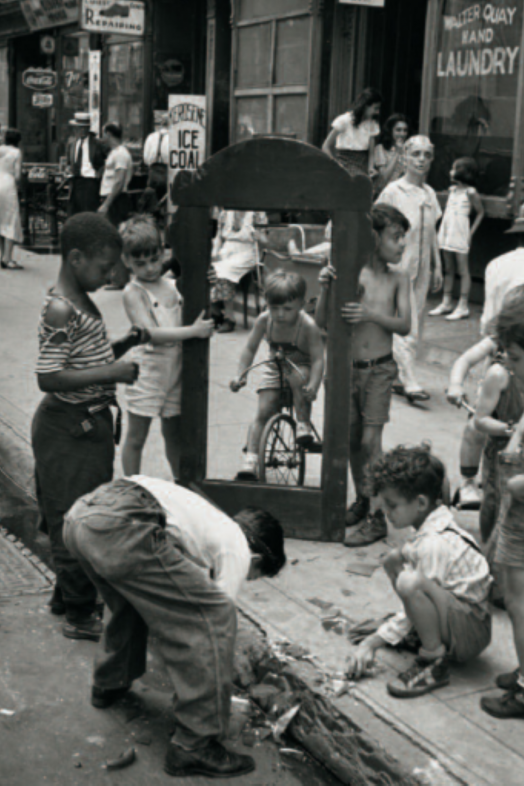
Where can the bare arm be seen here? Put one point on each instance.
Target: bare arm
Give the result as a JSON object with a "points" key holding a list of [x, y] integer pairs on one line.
{"points": [[371, 154], [329, 145], [139, 315], [326, 275], [250, 350], [495, 382], [316, 351], [461, 368], [478, 207]]}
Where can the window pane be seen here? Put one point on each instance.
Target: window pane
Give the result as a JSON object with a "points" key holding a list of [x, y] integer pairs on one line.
{"points": [[292, 61], [251, 117], [290, 115], [475, 89], [254, 9], [254, 49], [126, 77]]}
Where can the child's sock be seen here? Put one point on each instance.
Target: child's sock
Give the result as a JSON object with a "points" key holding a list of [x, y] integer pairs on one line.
{"points": [[439, 652]]}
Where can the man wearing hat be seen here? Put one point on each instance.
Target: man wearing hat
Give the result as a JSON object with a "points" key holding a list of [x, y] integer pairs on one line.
{"points": [[87, 155]]}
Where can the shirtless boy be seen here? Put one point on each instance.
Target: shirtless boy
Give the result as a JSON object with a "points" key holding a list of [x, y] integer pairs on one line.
{"points": [[383, 309]]}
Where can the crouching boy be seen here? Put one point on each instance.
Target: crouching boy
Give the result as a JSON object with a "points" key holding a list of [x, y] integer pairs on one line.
{"points": [[440, 576]]}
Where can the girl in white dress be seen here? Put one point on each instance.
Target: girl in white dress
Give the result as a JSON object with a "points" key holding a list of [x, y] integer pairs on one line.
{"points": [[455, 234], [351, 140], [10, 173]]}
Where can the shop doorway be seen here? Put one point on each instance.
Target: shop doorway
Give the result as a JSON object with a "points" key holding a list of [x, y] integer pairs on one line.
{"points": [[34, 123]]}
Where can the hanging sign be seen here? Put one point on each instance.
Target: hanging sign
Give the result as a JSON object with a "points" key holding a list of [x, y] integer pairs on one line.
{"points": [[39, 79], [42, 100], [40, 14], [125, 17], [187, 134], [373, 3], [94, 90]]}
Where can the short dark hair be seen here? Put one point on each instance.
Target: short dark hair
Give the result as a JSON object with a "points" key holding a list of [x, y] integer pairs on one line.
{"points": [[283, 286], [409, 471], [366, 98], [383, 216], [115, 129], [12, 137], [509, 325], [265, 537], [89, 233], [386, 137], [466, 171]]}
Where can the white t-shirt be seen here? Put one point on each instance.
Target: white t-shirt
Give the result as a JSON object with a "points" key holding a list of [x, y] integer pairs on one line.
{"points": [[213, 539], [119, 158], [351, 138], [151, 148], [502, 275]]}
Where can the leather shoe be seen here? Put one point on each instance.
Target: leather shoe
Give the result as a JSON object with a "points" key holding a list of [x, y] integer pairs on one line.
{"points": [[101, 698], [212, 761]]}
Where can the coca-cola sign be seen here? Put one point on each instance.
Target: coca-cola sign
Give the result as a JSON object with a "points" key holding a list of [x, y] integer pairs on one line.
{"points": [[39, 79]]}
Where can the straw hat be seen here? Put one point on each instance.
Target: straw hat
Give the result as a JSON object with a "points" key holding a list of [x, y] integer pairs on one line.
{"points": [[81, 120], [518, 224]]}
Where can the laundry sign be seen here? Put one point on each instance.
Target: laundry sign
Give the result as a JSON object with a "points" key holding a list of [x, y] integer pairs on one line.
{"points": [[125, 17]]}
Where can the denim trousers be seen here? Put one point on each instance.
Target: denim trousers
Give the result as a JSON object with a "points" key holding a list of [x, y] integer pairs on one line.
{"points": [[150, 584], [69, 462]]}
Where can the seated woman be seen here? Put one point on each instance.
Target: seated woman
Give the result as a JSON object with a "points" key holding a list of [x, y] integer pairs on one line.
{"points": [[389, 160], [234, 255]]}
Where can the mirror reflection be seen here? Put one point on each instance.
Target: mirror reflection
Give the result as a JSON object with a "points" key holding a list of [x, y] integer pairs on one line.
{"points": [[267, 361]]}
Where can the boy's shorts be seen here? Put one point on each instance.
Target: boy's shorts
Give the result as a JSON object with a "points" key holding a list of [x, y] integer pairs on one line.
{"points": [[469, 629], [270, 379], [371, 390], [157, 393]]}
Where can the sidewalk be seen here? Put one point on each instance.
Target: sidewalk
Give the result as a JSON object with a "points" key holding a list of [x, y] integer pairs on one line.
{"points": [[320, 579]]}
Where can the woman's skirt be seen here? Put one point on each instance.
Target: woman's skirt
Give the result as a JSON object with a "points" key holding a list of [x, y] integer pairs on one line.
{"points": [[10, 224], [356, 162]]}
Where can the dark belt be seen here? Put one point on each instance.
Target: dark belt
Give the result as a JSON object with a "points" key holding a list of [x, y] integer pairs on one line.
{"points": [[373, 362]]}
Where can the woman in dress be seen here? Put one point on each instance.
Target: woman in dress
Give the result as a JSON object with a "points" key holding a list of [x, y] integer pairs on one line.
{"points": [[390, 161], [421, 259], [351, 140], [10, 224]]}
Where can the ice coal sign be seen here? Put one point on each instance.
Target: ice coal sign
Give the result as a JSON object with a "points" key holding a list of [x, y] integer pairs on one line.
{"points": [[187, 133]]}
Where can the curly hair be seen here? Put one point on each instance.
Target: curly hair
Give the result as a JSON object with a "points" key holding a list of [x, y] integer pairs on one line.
{"points": [[367, 98], [410, 471], [509, 325]]}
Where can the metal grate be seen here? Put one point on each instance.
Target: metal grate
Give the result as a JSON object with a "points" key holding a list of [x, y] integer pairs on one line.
{"points": [[21, 573]]}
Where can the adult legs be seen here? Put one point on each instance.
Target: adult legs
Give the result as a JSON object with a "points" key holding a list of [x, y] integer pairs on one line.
{"points": [[171, 434], [137, 431]]}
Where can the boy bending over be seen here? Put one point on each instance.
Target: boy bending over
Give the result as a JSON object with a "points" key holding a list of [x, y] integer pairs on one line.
{"points": [[440, 576], [292, 336], [384, 309]]}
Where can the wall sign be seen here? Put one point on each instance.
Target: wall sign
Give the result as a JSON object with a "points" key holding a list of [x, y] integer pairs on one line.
{"points": [[49, 13], [126, 17], [39, 79], [94, 90], [187, 133], [47, 45], [42, 100]]}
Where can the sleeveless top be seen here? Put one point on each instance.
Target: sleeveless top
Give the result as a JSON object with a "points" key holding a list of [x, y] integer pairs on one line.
{"points": [[453, 234], [509, 409], [289, 349], [85, 345], [163, 317]]}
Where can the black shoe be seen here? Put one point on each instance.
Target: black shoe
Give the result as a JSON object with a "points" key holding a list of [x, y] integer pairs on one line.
{"points": [[508, 681], [89, 628], [101, 698], [509, 705], [227, 326], [212, 761], [357, 511], [56, 603]]}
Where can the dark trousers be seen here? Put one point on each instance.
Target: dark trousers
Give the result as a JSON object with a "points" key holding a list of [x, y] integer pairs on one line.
{"points": [[69, 462], [151, 585], [84, 195], [120, 209]]}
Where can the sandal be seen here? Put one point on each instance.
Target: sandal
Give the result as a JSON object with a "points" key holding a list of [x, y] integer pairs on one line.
{"points": [[11, 266]]}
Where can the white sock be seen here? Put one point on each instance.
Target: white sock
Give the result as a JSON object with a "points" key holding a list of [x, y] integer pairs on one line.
{"points": [[439, 652]]}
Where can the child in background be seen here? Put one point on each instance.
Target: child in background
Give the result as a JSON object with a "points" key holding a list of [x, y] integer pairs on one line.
{"points": [[455, 236], [291, 333], [509, 557], [384, 310], [440, 576], [72, 430], [500, 405], [153, 302], [352, 138]]}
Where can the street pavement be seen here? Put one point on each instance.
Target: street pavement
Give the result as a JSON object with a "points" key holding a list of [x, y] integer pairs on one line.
{"points": [[321, 579]]}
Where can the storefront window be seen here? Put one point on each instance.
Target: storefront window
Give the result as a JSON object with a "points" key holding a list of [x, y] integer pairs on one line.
{"points": [[74, 85], [474, 97], [125, 90]]}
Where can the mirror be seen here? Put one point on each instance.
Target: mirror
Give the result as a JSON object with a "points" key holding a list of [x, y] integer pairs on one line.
{"points": [[247, 249]]}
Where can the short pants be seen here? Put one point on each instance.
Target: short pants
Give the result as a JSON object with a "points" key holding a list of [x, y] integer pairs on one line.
{"points": [[158, 389], [270, 379], [371, 390], [469, 629], [509, 549]]}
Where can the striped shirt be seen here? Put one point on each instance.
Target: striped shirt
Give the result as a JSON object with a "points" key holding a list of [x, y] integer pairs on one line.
{"points": [[83, 344], [444, 552]]}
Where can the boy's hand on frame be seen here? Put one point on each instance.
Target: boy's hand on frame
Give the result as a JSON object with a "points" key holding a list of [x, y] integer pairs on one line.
{"points": [[202, 327], [355, 313], [326, 276]]}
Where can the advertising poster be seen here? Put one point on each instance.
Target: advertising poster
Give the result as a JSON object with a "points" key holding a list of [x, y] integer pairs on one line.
{"points": [[125, 17], [40, 14], [187, 134], [94, 91]]}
